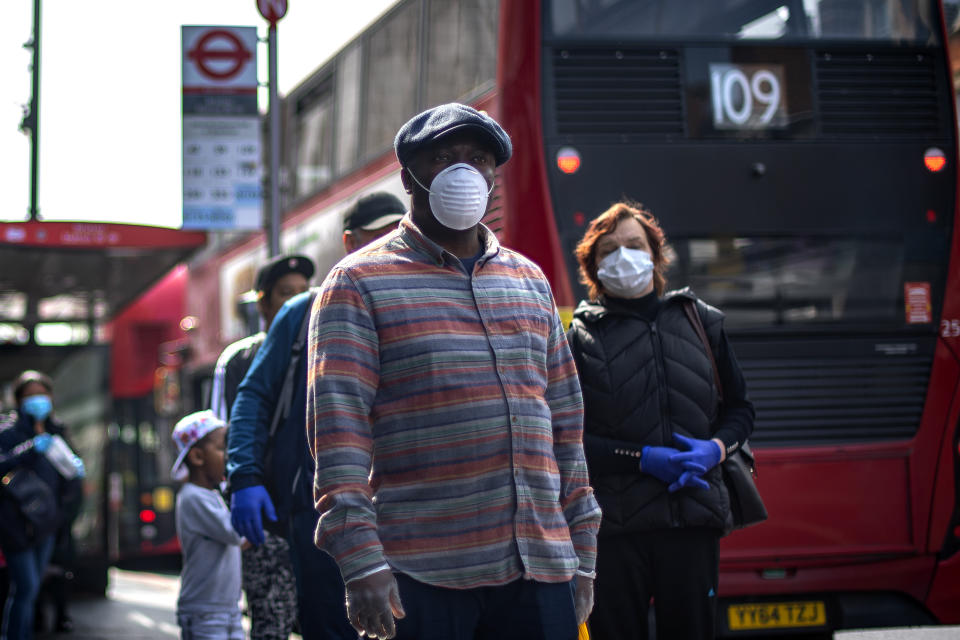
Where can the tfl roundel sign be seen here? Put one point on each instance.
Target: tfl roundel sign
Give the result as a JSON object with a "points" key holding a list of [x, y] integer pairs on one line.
{"points": [[272, 10], [219, 54], [221, 57]]}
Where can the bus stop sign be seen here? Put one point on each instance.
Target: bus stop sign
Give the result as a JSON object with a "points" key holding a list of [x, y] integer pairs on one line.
{"points": [[272, 10]]}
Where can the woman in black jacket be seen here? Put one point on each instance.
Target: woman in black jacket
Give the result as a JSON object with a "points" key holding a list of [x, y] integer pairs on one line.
{"points": [[655, 431], [25, 437]]}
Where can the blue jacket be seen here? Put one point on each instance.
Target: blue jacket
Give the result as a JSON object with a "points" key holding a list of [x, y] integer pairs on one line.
{"points": [[290, 477]]}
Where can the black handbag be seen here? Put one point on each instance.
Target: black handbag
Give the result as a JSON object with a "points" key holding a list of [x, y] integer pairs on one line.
{"points": [[739, 468], [739, 475], [34, 499]]}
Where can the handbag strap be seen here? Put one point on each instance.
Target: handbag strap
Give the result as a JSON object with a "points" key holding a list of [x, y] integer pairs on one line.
{"points": [[690, 307], [285, 398]]}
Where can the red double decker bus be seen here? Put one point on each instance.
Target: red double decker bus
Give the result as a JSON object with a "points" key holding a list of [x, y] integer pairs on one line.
{"points": [[802, 156]]}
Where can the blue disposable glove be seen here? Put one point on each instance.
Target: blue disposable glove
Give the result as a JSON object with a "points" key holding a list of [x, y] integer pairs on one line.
{"points": [[245, 507], [690, 479], [42, 442], [659, 463], [705, 453]]}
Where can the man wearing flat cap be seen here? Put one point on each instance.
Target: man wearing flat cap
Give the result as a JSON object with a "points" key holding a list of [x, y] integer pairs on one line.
{"points": [[266, 446], [267, 571], [445, 417]]}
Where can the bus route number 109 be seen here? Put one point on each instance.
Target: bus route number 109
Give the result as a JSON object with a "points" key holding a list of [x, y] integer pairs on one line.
{"points": [[748, 96]]}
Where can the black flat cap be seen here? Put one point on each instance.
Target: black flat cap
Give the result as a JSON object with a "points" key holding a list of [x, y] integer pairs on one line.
{"points": [[374, 211], [434, 123], [280, 266]]}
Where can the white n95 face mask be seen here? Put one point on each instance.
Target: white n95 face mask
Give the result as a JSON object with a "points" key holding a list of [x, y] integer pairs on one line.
{"points": [[626, 272], [458, 196]]}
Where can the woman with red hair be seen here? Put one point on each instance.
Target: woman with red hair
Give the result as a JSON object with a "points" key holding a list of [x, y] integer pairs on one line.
{"points": [[655, 430]]}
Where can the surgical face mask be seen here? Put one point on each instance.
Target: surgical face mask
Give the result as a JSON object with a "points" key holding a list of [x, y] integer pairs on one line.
{"points": [[37, 407], [458, 196], [626, 273]]}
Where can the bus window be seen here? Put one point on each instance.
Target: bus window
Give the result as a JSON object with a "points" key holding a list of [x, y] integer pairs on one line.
{"points": [[462, 49], [763, 282], [390, 84], [890, 20], [313, 143], [349, 68]]}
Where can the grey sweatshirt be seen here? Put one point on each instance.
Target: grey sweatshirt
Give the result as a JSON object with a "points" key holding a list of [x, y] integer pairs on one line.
{"points": [[210, 580]]}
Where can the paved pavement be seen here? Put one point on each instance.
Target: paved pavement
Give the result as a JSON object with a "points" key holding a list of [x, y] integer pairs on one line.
{"points": [[924, 633], [142, 606], [138, 606]]}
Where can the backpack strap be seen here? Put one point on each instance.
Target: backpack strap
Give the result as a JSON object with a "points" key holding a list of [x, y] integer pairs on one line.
{"points": [[282, 410], [690, 307]]}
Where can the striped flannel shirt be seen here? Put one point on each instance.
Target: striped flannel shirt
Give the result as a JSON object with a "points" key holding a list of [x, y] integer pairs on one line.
{"points": [[445, 417]]}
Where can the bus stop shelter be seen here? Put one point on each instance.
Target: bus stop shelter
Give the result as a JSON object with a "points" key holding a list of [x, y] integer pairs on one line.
{"points": [[61, 282]]}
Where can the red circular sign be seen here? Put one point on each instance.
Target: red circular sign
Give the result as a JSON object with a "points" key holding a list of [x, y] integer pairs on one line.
{"points": [[272, 10], [215, 60]]}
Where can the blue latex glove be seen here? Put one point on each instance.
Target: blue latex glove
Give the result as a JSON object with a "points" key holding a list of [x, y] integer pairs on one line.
{"points": [[41, 442], [690, 479], [705, 453], [245, 507], [659, 462], [78, 465]]}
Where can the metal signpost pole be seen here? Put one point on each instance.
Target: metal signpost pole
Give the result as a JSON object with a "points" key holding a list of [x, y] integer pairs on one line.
{"points": [[273, 232], [272, 11], [35, 115]]}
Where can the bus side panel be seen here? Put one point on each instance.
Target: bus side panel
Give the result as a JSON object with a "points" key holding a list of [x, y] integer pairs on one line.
{"points": [[942, 400], [810, 519], [943, 599], [910, 576], [530, 225], [203, 302], [945, 592]]}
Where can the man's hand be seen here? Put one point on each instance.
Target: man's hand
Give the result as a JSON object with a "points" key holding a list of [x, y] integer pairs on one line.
{"points": [[245, 507], [373, 603], [583, 598]]}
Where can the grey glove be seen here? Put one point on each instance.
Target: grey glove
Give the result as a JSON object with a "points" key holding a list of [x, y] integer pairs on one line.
{"points": [[583, 598], [372, 604]]}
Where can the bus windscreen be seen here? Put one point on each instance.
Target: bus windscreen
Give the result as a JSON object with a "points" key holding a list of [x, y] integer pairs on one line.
{"points": [[896, 21], [805, 281]]}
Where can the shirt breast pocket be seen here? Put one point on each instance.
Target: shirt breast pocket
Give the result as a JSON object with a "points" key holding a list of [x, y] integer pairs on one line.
{"points": [[526, 331]]}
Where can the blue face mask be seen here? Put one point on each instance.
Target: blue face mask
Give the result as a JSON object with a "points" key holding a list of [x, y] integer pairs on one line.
{"points": [[37, 407]]}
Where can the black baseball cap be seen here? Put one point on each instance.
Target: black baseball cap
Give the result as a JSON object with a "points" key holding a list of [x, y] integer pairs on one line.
{"points": [[424, 128], [374, 211], [280, 266]]}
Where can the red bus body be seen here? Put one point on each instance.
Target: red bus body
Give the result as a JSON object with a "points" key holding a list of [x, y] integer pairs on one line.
{"points": [[144, 389], [851, 518]]}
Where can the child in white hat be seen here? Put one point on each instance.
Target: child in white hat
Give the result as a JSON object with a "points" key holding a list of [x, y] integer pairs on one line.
{"points": [[208, 606]]}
